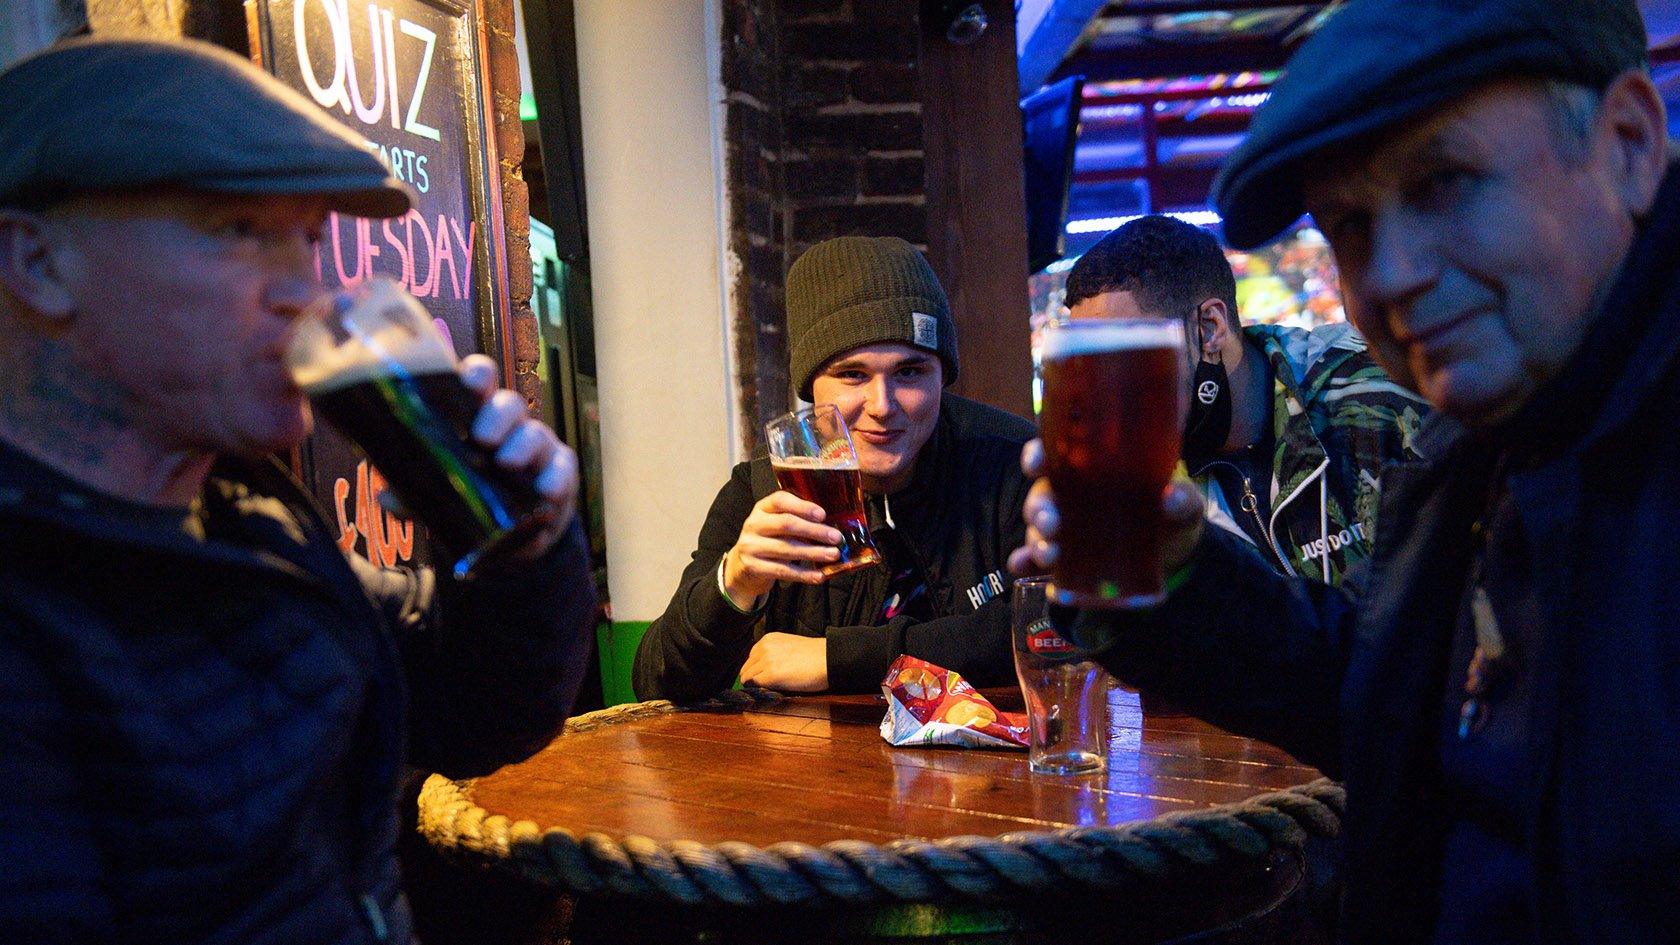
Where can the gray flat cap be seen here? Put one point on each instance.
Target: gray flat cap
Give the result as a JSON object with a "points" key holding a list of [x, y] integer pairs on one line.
{"points": [[1377, 63], [115, 114]]}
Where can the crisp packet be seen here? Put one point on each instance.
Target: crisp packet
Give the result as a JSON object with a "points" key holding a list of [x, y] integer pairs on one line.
{"points": [[931, 705]]}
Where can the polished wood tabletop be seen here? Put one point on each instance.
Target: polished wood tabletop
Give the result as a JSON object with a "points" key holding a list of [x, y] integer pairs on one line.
{"points": [[815, 769]]}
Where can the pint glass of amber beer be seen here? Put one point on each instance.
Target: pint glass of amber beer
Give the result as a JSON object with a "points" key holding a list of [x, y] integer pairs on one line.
{"points": [[1114, 402], [811, 452], [376, 367]]}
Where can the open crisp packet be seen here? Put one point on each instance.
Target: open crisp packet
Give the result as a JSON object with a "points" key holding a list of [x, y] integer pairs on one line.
{"points": [[931, 705]]}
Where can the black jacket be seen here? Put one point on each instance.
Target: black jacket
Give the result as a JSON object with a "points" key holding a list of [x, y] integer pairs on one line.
{"points": [[1354, 680], [960, 516], [201, 741]]}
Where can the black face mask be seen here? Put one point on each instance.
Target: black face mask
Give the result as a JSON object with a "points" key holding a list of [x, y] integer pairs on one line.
{"points": [[1208, 425]]}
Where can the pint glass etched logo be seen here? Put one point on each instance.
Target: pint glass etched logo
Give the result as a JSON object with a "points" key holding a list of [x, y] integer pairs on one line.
{"points": [[1043, 639]]}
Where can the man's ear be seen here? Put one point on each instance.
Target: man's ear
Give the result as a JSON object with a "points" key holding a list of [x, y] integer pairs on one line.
{"points": [[1633, 118], [1215, 328], [29, 276]]}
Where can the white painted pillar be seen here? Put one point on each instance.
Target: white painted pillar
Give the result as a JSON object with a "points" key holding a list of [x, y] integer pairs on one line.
{"points": [[652, 125]]}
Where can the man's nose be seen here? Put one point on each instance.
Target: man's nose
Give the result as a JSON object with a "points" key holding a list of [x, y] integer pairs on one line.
{"points": [[1403, 262], [293, 284], [878, 398], [292, 294]]}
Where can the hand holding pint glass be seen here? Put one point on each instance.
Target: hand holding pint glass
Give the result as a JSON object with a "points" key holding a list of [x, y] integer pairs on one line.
{"points": [[1113, 415], [484, 479], [811, 452], [815, 526]]}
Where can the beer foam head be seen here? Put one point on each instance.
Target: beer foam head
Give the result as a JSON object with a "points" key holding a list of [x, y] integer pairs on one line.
{"points": [[846, 461], [373, 330], [1101, 337]]}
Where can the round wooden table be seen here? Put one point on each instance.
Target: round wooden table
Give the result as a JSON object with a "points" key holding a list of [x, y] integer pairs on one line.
{"points": [[792, 821]]}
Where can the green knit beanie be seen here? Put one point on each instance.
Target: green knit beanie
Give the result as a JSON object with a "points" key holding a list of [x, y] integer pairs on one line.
{"points": [[861, 290]]}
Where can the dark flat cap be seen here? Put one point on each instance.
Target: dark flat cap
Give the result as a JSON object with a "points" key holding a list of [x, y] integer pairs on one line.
{"points": [[1376, 63], [116, 114]]}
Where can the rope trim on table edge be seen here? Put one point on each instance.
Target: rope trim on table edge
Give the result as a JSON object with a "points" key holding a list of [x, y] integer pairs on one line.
{"points": [[853, 871]]}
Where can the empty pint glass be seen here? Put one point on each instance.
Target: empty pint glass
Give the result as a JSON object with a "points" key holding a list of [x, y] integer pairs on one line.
{"points": [[1065, 692], [376, 367], [1114, 403], [812, 454]]}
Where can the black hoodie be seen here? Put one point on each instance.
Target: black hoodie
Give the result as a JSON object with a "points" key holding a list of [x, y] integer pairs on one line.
{"points": [[960, 516]]}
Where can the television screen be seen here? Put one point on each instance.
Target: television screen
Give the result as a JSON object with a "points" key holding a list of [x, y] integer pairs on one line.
{"points": [[1050, 122]]}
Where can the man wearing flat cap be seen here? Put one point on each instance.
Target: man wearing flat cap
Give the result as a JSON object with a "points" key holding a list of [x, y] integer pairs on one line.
{"points": [[205, 706], [1500, 687], [871, 334]]}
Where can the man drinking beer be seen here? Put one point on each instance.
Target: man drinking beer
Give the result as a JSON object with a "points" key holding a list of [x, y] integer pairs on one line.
{"points": [[872, 335], [205, 706], [1498, 684], [1288, 430]]}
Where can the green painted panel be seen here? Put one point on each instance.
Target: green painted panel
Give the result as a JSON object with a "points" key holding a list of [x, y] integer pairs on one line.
{"points": [[926, 921], [617, 644]]}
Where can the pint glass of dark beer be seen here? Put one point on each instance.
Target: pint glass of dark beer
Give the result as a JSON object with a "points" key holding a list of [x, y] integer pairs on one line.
{"points": [[811, 452], [1114, 402], [376, 367]]}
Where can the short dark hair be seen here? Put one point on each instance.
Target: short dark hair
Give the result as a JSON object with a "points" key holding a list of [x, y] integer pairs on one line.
{"points": [[1169, 265]]}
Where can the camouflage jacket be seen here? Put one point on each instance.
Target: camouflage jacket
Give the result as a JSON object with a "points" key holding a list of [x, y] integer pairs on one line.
{"points": [[1336, 419]]}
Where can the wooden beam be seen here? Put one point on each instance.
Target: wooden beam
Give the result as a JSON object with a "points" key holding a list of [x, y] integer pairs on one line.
{"points": [[976, 204]]}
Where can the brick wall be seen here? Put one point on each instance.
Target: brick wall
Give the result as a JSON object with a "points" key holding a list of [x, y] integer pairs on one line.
{"points": [[824, 138], [751, 73], [509, 134]]}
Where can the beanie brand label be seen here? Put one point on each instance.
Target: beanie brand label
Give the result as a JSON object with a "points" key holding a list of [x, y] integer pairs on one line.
{"points": [[924, 332]]}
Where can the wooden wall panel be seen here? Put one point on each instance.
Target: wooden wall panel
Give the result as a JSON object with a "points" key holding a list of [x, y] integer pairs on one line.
{"points": [[976, 207]]}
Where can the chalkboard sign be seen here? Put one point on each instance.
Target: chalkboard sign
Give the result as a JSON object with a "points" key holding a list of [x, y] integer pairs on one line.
{"points": [[404, 74]]}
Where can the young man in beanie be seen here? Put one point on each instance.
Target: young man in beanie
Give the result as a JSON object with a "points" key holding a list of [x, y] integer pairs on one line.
{"points": [[203, 719], [1288, 429], [1500, 687], [872, 335]]}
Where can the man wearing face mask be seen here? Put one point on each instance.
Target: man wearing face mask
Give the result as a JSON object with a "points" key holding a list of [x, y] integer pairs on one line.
{"points": [[1288, 429]]}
